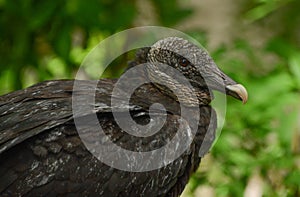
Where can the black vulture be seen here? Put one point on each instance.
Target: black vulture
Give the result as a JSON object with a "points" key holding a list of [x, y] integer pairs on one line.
{"points": [[41, 153]]}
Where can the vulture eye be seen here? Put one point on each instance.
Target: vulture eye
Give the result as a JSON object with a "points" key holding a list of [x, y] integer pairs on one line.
{"points": [[183, 62]]}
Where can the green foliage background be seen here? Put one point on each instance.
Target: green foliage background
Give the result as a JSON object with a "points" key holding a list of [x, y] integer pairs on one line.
{"points": [[260, 143]]}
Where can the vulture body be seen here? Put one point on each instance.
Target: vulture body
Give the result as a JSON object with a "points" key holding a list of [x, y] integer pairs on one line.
{"points": [[41, 153]]}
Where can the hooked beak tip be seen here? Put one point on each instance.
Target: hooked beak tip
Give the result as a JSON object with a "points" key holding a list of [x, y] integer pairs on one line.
{"points": [[238, 91]]}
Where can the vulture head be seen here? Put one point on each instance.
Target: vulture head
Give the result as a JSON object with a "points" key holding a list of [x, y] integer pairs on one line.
{"points": [[195, 65]]}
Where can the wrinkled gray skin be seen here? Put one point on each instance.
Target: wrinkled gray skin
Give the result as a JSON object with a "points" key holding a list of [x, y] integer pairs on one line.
{"points": [[41, 153], [200, 70]]}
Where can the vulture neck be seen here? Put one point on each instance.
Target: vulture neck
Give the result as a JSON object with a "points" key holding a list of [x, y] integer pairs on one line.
{"points": [[156, 93]]}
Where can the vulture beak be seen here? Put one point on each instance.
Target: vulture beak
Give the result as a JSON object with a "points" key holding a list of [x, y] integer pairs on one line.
{"points": [[237, 91], [219, 81]]}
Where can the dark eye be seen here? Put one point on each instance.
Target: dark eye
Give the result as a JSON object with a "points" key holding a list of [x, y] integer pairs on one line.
{"points": [[183, 62]]}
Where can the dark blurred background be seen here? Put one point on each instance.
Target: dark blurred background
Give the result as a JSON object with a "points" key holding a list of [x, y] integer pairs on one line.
{"points": [[256, 42]]}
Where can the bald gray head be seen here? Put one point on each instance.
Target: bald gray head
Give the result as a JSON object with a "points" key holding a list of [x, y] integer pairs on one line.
{"points": [[194, 64]]}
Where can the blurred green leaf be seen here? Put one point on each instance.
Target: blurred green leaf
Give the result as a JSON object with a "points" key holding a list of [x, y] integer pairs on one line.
{"points": [[62, 46], [294, 65], [293, 178], [57, 68], [170, 12], [264, 8], [281, 47]]}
